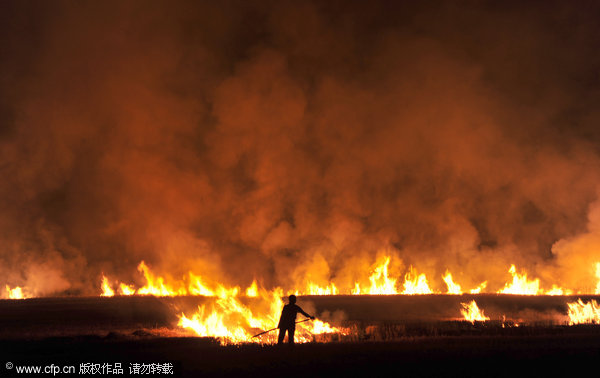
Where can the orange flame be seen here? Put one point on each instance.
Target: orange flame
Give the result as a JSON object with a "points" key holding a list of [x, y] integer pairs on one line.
{"points": [[252, 291], [472, 313], [233, 322], [453, 288], [415, 284], [198, 287], [16, 293], [479, 289], [107, 291], [556, 290], [583, 313], [125, 289], [380, 281], [227, 318], [356, 290], [156, 285], [520, 284], [314, 289]]}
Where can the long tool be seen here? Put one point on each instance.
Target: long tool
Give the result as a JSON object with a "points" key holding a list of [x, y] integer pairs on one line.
{"points": [[273, 329]]}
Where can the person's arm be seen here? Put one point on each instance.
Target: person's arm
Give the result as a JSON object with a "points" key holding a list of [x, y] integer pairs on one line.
{"points": [[304, 313]]}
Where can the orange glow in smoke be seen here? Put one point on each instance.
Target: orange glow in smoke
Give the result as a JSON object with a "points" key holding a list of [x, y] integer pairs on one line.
{"points": [[598, 277]]}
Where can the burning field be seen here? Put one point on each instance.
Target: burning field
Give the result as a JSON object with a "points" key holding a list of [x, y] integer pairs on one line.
{"points": [[232, 315], [369, 330], [423, 176]]}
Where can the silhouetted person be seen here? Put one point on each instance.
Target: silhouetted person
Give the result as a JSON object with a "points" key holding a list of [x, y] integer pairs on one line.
{"points": [[287, 322]]}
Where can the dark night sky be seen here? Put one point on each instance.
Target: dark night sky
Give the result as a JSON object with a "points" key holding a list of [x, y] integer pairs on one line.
{"points": [[280, 139]]}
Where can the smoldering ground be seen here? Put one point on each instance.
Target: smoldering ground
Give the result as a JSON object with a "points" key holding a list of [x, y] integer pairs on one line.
{"points": [[276, 140]]}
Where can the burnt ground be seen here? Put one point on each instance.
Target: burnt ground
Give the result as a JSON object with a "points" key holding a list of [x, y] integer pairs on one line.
{"points": [[135, 330], [454, 356]]}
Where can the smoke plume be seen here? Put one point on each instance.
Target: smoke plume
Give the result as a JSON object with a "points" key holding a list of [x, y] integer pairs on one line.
{"points": [[287, 141]]}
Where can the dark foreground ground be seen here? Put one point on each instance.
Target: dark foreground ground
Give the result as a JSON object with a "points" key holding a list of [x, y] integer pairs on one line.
{"points": [[565, 355], [395, 336]]}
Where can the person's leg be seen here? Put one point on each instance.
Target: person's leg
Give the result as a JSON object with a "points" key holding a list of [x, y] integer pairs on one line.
{"points": [[291, 332], [281, 336]]}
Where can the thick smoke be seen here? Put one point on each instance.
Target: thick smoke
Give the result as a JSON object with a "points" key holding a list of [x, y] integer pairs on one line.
{"points": [[287, 141]]}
